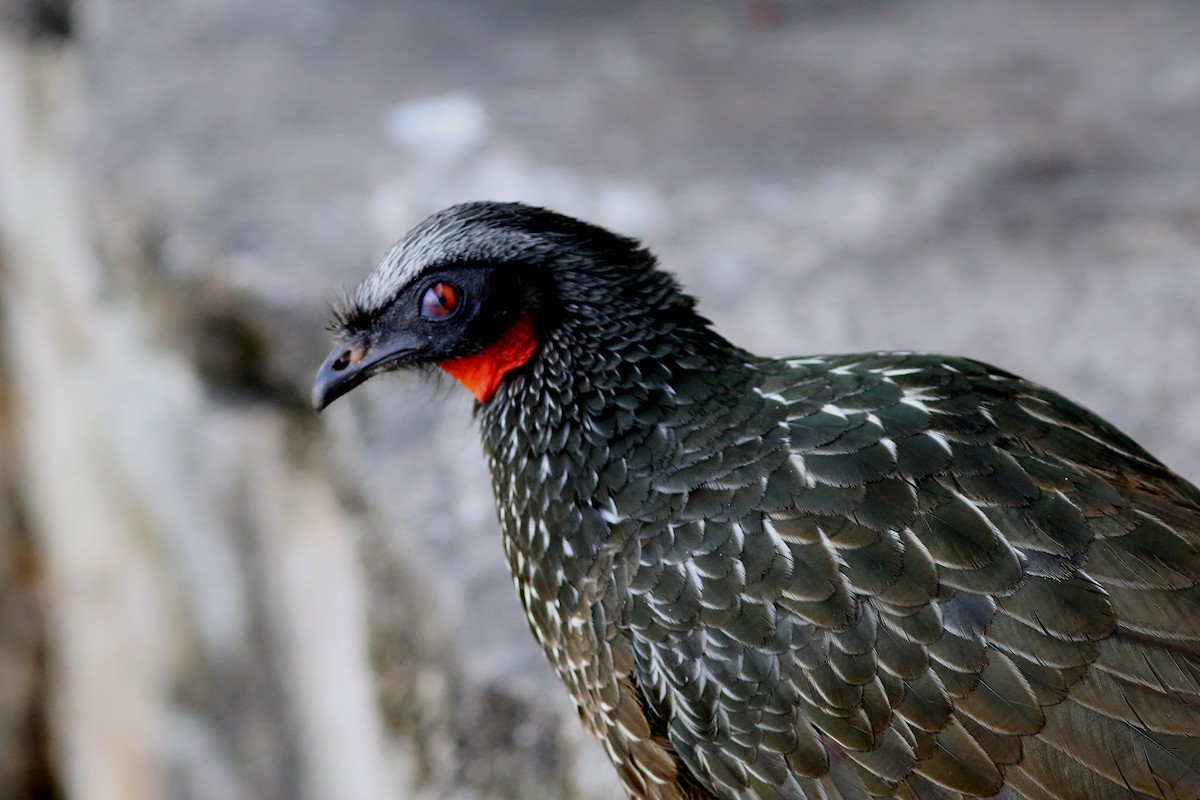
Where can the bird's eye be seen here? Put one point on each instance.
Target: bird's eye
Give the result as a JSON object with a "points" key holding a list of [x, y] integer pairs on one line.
{"points": [[439, 301]]}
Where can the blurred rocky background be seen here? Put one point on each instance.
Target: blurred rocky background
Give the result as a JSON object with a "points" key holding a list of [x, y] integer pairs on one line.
{"points": [[208, 592]]}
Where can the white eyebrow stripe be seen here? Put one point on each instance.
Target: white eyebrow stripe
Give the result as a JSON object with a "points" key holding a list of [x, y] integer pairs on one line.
{"points": [[434, 242]]}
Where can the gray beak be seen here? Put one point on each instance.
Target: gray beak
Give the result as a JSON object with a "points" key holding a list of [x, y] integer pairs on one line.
{"points": [[350, 364], [344, 369]]}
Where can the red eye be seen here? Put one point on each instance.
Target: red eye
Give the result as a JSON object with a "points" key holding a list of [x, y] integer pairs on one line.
{"points": [[439, 301]]}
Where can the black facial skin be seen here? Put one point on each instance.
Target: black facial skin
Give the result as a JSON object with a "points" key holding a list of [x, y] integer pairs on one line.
{"points": [[398, 336]]}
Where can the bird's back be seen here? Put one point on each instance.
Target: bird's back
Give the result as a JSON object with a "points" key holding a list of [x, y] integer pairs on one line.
{"points": [[857, 576]]}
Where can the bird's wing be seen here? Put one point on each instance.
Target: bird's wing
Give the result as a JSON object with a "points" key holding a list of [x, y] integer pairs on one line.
{"points": [[910, 576]]}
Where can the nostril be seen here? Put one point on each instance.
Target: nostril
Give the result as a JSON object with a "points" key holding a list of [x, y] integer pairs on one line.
{"points": [[349, 357]]}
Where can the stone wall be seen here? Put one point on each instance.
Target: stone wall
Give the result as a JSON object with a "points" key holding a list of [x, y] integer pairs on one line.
{"points": [[208, 591]]}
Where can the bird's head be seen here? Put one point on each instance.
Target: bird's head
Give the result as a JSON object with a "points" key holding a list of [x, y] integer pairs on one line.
{"points": [[477, 288]]}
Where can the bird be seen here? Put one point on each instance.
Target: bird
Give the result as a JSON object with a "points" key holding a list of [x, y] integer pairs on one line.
{"points": [[831, 577]]}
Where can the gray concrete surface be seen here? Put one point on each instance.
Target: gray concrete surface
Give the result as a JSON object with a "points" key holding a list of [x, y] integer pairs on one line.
{"points": [[1013, 180]]}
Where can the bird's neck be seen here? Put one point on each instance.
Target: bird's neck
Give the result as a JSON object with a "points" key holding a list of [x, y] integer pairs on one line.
{"points": [[591, 406], [574, 440], [595, 376]]}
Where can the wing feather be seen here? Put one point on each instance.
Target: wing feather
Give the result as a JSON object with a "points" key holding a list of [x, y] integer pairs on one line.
{"points": [[922, 578]]}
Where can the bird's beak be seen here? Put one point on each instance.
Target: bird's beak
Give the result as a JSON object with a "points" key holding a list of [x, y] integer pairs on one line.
{"points": [[348, 365]]}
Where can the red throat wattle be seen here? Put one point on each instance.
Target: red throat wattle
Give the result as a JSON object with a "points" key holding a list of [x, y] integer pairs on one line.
{"points": [[481, 373]]}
